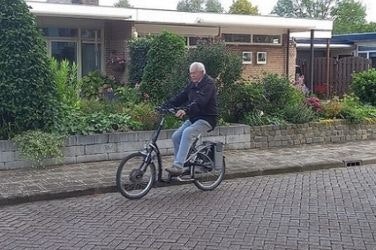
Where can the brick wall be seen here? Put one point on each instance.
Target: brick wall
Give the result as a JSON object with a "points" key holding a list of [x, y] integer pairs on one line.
{"points": [[276, 59], [116, 35], [103, 147]]}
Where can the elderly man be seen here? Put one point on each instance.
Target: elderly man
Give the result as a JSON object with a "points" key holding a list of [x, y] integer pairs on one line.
{"points": [[200, 98]]}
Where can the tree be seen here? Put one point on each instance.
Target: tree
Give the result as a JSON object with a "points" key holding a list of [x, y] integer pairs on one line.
{"points": [[243, 7], [213, 6], [320, 9], [190, 5], [349, 16], [123, 4], [28, 93]]}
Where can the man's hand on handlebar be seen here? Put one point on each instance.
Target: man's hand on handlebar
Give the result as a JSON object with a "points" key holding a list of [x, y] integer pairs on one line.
{"points": [[180, 113]]}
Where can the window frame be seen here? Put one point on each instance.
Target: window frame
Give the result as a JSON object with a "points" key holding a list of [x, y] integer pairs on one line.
{"points": [[265, 57], [251, 57]]}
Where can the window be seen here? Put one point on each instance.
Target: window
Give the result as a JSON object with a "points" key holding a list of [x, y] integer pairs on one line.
{"points": [[82, 46], [237, 38], [269, 39], [64, 50], [194, 41], [60, 32], [247, 57], [364, 55], [261, 57]]}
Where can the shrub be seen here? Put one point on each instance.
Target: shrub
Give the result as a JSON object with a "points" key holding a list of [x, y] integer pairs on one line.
{"points": [[259, 119], [240, 100], [279, 93], [166, 52], [92, 84], [126, 94], [364, 86], [354, 111], [332, 109], [145, 115], [28, 92], [38, 146], [67, 84], [314, 103], [298, 113], [138, 49]]}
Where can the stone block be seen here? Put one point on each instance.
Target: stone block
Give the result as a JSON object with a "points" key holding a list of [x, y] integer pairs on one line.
{"points": [[100, 148], [118, 156], [70, 160], [260, 139], [237, 138], [144, 136], [318, 139], [129, 146], [73, 151], [92, 158], [17, 164], [2, 165], [6, 146], [70, 141], [7, 156], [239, 145], [166, 143], [85, 139]]}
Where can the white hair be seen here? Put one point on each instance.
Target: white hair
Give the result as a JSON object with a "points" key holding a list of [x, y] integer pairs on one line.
{"points": [[197, 66]]}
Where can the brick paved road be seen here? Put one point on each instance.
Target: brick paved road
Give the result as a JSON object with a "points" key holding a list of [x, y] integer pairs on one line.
{"points": [[326, 209]]}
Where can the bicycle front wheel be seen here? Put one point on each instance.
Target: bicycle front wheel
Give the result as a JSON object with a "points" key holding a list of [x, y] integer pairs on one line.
{"points": [[134, 179], [210, 176]]}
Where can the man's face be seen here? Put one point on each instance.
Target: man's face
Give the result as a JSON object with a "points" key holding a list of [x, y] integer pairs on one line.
{"points": [[196, 75]]}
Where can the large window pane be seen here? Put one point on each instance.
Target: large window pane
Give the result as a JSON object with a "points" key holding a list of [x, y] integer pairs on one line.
{"points": [[90, 34], [275, 39], [237, 38], [64, 50], [59, 32], [91, 57]]}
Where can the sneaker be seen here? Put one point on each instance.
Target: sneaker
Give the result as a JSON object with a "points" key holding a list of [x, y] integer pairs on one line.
{"points": [[175, 170]]}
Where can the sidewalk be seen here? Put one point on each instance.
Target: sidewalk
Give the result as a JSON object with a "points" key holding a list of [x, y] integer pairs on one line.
{"points": [[18, 186]]}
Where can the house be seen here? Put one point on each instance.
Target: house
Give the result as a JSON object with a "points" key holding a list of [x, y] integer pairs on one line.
{"points": [[96, 37]]}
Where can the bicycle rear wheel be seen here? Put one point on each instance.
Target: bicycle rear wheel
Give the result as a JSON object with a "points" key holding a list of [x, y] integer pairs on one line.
{"points": [[131, 181], [211, 176]]}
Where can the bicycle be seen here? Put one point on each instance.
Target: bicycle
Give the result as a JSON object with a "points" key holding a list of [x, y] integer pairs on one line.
{"points": [[137, 173]]}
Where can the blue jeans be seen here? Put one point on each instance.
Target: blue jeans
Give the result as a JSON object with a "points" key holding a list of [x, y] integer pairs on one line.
{"points": [[183, 138]]}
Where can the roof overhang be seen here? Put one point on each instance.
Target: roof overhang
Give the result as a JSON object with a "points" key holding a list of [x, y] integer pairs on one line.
{"points": [[323, 46], [78, 11], [179, 18]]}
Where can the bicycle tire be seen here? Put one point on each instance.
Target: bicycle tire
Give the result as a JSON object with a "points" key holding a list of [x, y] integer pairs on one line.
{"points": [[130, 181], [213, 178]]}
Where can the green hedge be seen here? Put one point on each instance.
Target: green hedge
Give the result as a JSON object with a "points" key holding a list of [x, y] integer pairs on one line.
{"points": [[28, 93]]}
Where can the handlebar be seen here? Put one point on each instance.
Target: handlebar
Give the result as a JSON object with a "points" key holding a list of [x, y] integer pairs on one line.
{"points": [[173, 111]]}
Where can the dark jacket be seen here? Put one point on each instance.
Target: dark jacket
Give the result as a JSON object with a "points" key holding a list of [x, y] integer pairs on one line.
{"points": [[200, 100]]}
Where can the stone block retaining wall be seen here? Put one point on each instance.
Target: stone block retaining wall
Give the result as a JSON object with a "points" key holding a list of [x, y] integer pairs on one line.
{"points": [[102, 147]]}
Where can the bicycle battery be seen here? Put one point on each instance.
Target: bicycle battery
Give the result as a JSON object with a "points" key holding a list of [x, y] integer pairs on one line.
{"points": [[218, 155]]}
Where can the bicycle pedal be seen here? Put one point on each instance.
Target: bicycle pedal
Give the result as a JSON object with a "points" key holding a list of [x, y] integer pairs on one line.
{"points": [[182, 179]]}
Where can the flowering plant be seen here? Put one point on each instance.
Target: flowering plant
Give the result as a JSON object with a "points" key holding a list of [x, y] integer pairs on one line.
{"points": [[117, 63], [117, 60]]}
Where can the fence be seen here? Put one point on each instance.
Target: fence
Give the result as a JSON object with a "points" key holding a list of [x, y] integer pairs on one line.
{"points": [[340, 74]]}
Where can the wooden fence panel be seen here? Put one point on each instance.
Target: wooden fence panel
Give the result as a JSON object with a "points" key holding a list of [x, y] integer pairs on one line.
{"points": [[340, 74]]}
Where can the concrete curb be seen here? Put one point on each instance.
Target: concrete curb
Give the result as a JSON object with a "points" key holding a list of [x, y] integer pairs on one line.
{"points": [[111, 188]]}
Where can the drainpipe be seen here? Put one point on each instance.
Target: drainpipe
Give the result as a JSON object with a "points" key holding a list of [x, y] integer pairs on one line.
{"points": [[327, 67], [312, 59], [288, 53]]}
